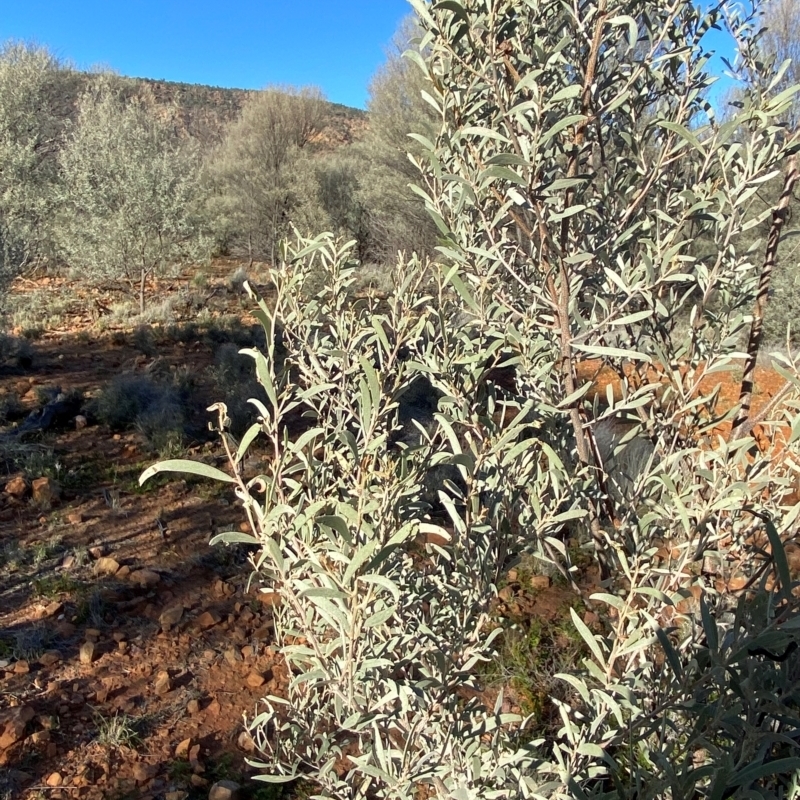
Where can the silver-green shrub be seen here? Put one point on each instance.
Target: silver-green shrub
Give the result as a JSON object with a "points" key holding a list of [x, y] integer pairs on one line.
{"points": [[35, 91], [576, 167], [129, 208], [261, 178]]}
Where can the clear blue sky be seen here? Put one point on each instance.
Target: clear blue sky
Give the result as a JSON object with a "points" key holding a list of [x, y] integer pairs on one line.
{"points": [[333, 44]]}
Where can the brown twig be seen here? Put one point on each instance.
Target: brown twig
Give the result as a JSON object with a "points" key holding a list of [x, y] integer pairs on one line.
{"points": [[755, 339]]}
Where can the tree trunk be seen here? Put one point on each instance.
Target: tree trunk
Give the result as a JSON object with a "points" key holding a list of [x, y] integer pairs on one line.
{"points": [[142, 280], [740, 425]]}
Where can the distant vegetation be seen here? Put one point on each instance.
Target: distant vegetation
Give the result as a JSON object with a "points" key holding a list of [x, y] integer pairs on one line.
{"points": [[117, 180]]}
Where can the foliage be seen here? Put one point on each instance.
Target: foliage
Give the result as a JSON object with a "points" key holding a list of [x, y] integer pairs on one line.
{"points": [[576, 166], [155, 409], [34, 106], [391, 217], [260, 178], [131, 188], [781, 41]]}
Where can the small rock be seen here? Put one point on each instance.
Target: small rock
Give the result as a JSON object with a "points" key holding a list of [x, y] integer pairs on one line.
{"points": [[13, 722], [246, 743], [591, 619], [177, 795], [75, 518], [193, 707], [143, 772], [163, 683], [17, 487], [270, 598], [512, 575], [124, 571], [214, 708], [194, 757], [254, 680], [106, 566], [80, 422], [45, 491], [119, 636], [98, 551], [198, 781], [208, 619], [69, 562], [182, 750], [171, 616], [22, 667], [54, 608], [506, 593], [93, 633], [232, 656], [54, 779], [225, 790], [50, 657], [65, 629], [737, 582], [87, 652], [540, 582], [145, 578]]}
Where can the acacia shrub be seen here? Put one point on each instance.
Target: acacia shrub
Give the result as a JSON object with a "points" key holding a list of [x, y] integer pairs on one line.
{"points": [[131, 191], [35, 105], [261, 178], [568, 212]]}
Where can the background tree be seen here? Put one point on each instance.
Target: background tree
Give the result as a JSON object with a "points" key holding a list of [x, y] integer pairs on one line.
{"points": [[130, 191], [777, 42], [261, 179], [397, 112], [781, 41], [36, 100]]}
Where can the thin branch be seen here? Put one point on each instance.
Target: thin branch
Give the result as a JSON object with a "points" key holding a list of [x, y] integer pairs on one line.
{"points": [[755, 340]]}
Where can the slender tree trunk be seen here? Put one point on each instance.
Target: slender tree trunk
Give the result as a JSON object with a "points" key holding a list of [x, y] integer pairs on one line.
{"points": [[560, 295], [142, 279], [740, 425]]}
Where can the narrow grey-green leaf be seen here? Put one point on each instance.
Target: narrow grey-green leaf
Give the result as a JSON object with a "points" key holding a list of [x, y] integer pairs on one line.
{"points": [[186, 467]]}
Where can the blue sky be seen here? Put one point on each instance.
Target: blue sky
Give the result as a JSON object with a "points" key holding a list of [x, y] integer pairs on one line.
{"points": [[333, 44]]}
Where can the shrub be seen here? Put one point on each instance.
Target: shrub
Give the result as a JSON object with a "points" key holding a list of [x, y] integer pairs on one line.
{"points": [[15, 351], [570, 213], [130, 190], [260, 177], [155, 410], [35, 103], [143, 340]]}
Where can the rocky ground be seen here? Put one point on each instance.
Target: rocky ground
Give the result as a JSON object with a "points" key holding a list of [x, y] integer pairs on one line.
{"points": [[130, 649]]}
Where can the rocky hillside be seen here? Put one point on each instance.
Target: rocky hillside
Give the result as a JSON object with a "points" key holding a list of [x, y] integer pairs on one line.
{"points": [[206, 110]]}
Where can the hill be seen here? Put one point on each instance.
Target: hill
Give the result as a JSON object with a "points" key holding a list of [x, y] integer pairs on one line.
{"points": [[206, 110]]}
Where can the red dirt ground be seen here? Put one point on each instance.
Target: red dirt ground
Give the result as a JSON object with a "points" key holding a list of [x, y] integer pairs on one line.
{"points": [[183, 678]]}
